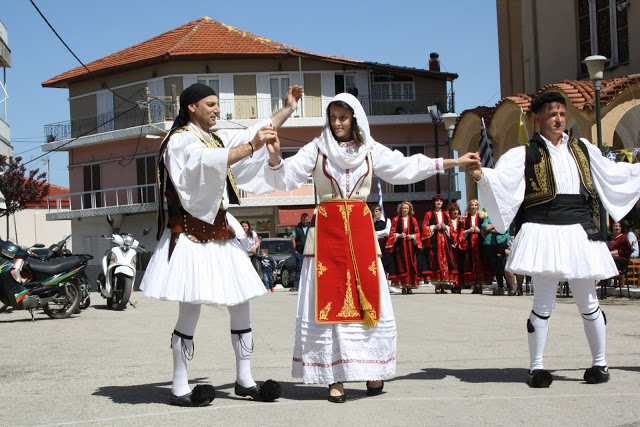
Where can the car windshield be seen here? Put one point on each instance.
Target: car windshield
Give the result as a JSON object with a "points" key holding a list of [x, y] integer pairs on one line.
{"points": [[283, 246]]}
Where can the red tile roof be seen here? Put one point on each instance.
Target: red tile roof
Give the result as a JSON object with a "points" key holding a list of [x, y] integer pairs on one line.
{"points": [[580, 92], [54, 190], [206, 38]]}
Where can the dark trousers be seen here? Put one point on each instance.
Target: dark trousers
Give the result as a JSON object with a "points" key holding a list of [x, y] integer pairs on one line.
{"points": [[497, 261]]}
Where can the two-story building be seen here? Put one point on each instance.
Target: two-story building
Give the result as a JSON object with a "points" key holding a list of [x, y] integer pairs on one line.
{"points": [[121, 110], [5, 62]]}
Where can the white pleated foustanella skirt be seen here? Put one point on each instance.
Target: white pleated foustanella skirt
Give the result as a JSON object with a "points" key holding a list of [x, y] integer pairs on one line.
{"points": [[561, 251], [325, 353], [218, 273]]}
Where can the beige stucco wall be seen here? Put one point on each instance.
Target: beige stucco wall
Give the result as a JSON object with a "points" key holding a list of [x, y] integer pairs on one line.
{"points": [[32, 227], [538, 44]]}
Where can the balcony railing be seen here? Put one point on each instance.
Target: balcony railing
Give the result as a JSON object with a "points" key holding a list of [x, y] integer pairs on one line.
{"points": [[109, 197], [237, 109]]}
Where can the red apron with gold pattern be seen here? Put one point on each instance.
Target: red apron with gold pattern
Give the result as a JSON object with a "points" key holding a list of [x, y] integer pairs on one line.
{"points": [[347, 285]]}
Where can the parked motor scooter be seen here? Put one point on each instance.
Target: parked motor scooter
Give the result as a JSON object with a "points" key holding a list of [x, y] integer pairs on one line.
{"points": [[57, 250], [118, 275], [28, 283]]}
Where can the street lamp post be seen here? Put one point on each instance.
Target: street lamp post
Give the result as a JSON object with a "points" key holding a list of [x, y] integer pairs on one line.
{"points": [[436, 119], [450, 124], [595, 66]]}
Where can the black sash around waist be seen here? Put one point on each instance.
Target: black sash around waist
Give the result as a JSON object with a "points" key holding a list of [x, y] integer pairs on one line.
{"points": [[565, 209]]}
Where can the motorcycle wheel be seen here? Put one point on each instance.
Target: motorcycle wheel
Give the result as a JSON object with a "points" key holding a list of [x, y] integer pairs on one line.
{"points": [[66, 302], [121, 292]]}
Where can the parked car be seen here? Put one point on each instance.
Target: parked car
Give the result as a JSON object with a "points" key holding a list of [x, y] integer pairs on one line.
{"points": [[281, 250]]}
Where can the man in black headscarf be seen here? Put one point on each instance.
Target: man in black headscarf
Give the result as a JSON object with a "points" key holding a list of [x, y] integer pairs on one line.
{"points": [[199, 259]]}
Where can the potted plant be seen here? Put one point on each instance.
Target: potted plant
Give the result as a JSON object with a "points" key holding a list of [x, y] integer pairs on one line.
{"points": [[253, 113], [229, 116]]}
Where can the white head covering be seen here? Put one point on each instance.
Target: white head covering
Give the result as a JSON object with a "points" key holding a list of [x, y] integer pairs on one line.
{"points": [[331, 148]]}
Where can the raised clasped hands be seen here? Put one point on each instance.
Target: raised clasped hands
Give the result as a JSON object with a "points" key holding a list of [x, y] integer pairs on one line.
{"points": [[294, 93], [266, 134]]}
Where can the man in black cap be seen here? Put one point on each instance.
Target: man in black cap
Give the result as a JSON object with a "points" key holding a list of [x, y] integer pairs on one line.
{"points": [[199, 259], [554, 184]]}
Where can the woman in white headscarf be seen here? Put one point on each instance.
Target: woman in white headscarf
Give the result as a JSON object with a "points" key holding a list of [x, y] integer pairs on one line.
{"points": [[345, 327]]}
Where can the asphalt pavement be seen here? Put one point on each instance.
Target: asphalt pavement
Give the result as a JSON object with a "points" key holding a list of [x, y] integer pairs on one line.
{"points": [[462, 360]]}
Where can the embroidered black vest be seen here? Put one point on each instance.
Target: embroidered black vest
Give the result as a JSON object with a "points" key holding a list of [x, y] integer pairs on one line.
{"points": [[540, 182]]}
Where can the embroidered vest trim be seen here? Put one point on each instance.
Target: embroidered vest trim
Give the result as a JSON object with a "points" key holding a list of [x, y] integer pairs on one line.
{"points": [[540, 183]]}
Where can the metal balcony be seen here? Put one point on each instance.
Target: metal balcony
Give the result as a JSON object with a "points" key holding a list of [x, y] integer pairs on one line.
{"points": [[239, 109]]}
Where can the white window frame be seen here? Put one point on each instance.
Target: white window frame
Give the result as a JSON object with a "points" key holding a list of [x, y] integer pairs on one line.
{"points": [[390, 92]]}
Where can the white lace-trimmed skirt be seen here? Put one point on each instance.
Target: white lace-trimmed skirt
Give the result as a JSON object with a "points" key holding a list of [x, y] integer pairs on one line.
{"points": [[325, 353], [217, 272], [561, 251]]}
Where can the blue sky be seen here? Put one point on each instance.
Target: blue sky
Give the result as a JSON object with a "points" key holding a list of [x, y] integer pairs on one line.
{"points": [[402, 33]]}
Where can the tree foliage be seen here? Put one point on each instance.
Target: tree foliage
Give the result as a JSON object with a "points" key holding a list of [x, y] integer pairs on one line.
{"points": [[19, 187]]}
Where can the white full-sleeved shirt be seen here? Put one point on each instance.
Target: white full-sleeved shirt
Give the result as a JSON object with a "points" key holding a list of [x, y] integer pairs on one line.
{"points": [[199, 173], [389, 165], [502, 189]]}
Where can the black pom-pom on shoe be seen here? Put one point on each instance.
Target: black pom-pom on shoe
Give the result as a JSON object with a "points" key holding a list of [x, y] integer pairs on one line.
{"points": [[268, 392], [539, 378], [596, 375], [202, 395]]}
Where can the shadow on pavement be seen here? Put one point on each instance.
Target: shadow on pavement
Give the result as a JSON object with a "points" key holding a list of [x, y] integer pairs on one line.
{"points": [[159, 392], [509, 375]]}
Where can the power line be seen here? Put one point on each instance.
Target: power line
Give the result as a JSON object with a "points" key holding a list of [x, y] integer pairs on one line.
{"points": [[84, 134], [75, 56]]}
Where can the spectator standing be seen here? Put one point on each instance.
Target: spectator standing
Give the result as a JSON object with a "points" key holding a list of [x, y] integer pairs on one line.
{"points": [[382, 226], [268, 265], [495, 246], [457, 224], [298, 239], [440, 266], [252, 244], [404, 241], [475, 273]]}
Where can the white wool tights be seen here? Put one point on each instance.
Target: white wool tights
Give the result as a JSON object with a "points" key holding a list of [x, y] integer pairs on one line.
{"points": [[586, 299], [240, 320], [188, 315]]}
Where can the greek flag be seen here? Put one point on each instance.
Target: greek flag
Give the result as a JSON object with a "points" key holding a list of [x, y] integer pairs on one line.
{"points": [[611, 155], [485, 146], [380, 199]]}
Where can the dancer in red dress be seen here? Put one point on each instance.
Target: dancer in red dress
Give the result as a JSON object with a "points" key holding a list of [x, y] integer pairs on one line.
{"points": [[404, 242], [457, 225], [470, 240], [440, 266]]}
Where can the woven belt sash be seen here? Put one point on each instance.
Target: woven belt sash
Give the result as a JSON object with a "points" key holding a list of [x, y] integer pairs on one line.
{"points": [[565, 209], [347, 286], [199, 231]]}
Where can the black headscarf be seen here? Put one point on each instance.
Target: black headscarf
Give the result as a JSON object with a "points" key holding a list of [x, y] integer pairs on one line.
{"points": [[190, 95]]}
